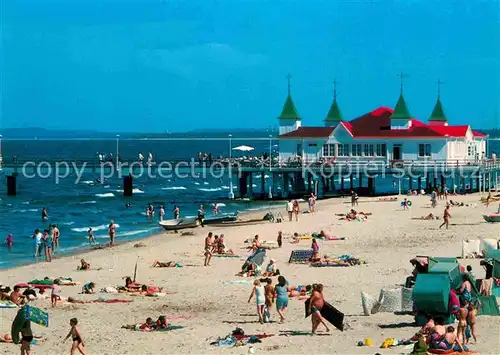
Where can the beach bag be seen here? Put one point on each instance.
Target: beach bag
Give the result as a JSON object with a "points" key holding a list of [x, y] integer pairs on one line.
{"points": [[370, 304], [390, 300]]}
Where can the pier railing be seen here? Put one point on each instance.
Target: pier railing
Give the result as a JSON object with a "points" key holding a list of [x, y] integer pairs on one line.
{"points": [[262, 163]]}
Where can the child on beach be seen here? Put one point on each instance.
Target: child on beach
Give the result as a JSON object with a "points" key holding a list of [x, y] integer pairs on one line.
{"points": [[88, 288], [56, 293], [269, 291], [258, 291], [74, 333], [462, 323], [83, 265], [471, 320]]}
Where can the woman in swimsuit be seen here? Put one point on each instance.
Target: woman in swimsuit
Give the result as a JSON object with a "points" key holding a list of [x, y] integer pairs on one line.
{"points": [[315, 250], [76, 336], [260, 298], [281, 297]]}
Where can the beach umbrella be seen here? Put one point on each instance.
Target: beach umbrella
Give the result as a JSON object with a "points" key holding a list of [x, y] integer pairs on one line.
{"points": [[243, 148]]}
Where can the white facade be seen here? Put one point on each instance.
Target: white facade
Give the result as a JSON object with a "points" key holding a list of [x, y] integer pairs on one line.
{"points": [[342, 146], [287, 126]]}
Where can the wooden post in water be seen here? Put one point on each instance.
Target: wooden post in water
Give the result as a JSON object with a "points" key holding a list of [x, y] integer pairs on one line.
{"points": [[11, 185], [128, 186], [263, 183], [285, 185]]}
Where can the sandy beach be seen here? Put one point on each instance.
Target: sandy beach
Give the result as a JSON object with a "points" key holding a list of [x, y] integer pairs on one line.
{"points": [[203, 300]]}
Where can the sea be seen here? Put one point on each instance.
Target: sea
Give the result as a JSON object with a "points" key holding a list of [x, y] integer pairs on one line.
{"points": [[75, 206]]}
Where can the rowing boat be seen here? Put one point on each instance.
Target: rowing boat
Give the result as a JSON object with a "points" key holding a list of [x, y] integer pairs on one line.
{"points": [[180, 223]]}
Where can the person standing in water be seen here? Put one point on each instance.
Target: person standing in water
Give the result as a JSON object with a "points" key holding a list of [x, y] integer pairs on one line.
{"points": [[201, 215], [112, 232], [37, 237], [48, 240], [177, 212], [91, 236], [45, 214], [55, 237], [9, 241], [162, 213]]}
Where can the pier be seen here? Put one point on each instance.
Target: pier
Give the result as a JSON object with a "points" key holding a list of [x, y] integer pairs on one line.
{"points": [[291, 179]]}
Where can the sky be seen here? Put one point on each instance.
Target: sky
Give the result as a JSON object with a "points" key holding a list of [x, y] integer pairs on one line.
{"points": [[172, 65]]}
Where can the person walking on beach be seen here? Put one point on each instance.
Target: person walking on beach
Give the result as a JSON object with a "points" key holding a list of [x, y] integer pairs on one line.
{"points": [[74, 333], [27, 338], [280, 239], [269, 291], [9, 241], [289, 210], [162, 213], [177, 212], [296, 210], [354, 199], [316, 303], [312, 203], [446, 217], [112, 233], [281, 297], [91, 236], [208, 249], [258, 291]]}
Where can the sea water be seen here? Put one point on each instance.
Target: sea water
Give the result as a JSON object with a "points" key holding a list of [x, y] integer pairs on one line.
{"points": [[75, 207]]}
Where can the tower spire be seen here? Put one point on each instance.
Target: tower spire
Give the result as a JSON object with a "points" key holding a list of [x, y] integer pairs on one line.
{"points": [[439, 82], [402, 76], [289, 112], [288, 78], [437, 116], [334, 115], [401, 110]]}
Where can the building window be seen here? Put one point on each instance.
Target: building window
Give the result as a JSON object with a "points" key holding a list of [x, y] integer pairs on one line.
{"points": [[357, 150], [343, 150], [381, 150], [424, 150], [299, 149], [329, 150], [369, 150]]}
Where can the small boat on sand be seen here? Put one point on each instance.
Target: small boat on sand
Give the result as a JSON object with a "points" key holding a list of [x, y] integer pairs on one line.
{"points": [[179, 223], [492, 218], [220, 219], [239, 223]]}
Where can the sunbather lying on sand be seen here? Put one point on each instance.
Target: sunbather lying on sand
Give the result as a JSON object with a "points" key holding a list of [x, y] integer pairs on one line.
{"points": [[354, 215], [144, 290], [161, 323], [456, 204], [6, 338], [157, 263], [249, 269], [429, 217], [299, 291]]}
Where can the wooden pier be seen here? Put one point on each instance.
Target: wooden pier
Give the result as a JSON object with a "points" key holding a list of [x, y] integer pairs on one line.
{"points": [[288, 180]]}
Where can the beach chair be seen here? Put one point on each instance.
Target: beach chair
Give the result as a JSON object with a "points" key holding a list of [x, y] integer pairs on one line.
{"points": [[300, 256]]}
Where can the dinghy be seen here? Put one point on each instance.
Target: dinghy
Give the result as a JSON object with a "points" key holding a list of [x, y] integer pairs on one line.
{"points": [[180, 223]]}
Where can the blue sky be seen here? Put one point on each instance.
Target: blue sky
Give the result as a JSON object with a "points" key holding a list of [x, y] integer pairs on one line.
{"points": [[151, 65]]}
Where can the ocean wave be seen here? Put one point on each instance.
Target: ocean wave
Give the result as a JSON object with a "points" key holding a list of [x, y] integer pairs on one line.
{"points": [[196, 183], [213, 189], [68, 223], [174, 188], [25, 203], [106, 186], [130, 233], [107, 194], [88, 182], [205, 182], [26, 210], [228, 187], [88, 202], [95, 229], [134, 191], [221, 204]]}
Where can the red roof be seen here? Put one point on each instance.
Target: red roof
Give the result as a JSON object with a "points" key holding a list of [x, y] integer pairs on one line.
{"points": [[377, 124], [478, 134], [309, 132]]}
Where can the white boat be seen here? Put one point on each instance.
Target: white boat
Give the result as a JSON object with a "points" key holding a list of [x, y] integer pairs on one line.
{"points": [[180, 223]]}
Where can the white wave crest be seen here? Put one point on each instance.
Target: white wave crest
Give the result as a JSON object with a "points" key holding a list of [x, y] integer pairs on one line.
{"points": [[174, 188], [107, 194]]}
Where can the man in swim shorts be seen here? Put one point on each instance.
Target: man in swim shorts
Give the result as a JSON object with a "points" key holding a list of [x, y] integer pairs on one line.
{"points": [[316, 303], [208, 249]]}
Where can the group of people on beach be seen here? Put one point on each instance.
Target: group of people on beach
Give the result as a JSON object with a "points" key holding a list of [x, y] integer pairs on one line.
{"points": [[46, 243], [293, 207]]}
